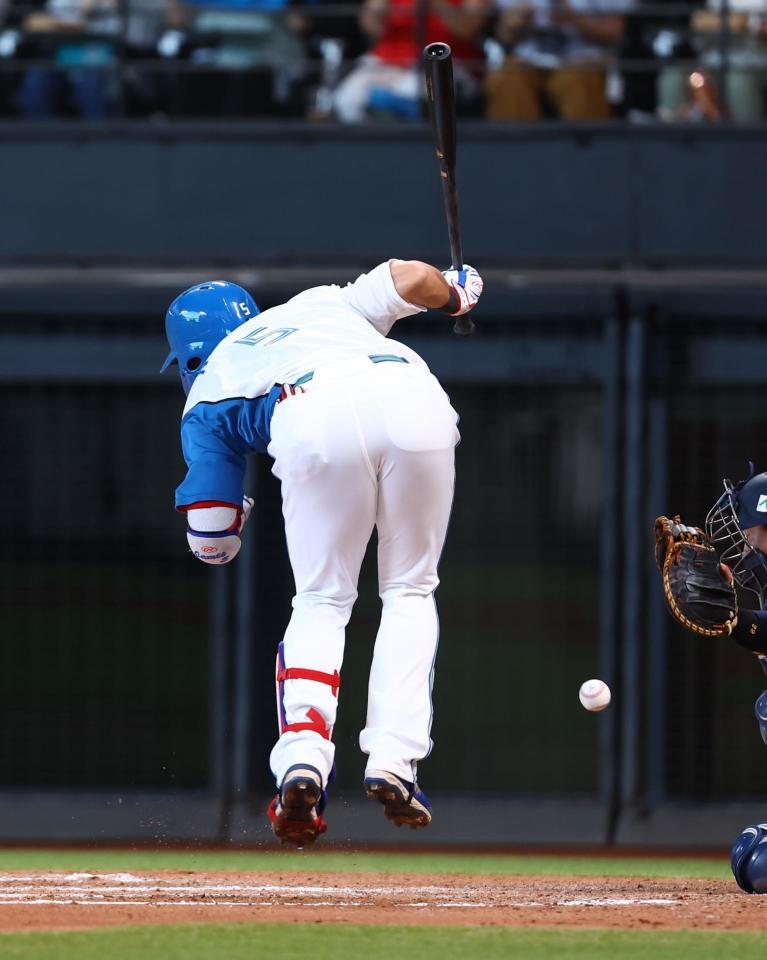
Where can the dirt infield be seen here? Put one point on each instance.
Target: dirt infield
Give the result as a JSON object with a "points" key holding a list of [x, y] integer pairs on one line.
{"points": [[83, 900]]}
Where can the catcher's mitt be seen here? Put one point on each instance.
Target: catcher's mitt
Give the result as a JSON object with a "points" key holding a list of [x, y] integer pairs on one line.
{"points": [[698, 592]]}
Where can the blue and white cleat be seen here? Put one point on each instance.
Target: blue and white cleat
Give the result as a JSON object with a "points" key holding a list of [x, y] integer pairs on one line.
{"points": [[760, 709], [403, 802]]}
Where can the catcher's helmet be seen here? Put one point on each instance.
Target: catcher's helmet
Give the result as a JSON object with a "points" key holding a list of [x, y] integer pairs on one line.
{"points": [[741, 506], [199, 319], [749, 859]]}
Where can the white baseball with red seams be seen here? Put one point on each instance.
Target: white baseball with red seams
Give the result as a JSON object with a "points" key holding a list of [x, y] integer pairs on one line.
{"points": [[594, 695]]}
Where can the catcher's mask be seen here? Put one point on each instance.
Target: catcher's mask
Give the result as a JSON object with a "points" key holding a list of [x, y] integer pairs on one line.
{"points": [[748, 859], [742, 505]]}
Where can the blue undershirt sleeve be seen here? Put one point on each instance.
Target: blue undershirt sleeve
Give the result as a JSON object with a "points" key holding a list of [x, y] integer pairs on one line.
{"points": [[751, 631], [215, 472], [216, 439]]}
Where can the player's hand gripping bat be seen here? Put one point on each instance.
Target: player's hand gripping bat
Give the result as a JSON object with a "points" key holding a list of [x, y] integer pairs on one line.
{"points": [[440, 97]]}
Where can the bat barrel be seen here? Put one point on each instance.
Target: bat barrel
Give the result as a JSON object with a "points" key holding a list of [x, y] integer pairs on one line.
{"points": [[440, 96]]}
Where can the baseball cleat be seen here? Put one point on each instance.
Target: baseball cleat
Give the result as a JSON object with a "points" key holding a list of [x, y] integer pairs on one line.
{"points": [[296, 811], [403, 802]]}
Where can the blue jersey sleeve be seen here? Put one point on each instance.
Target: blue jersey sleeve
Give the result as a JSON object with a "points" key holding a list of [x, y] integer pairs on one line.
{"points": [[216, 438], [751, 631]]}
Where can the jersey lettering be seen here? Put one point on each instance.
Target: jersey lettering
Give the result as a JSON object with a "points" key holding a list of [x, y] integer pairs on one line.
{"points": [[259, 338]]}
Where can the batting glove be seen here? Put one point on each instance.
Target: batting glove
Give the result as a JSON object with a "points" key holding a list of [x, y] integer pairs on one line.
{"points": [[465, 290], [247, 506]]}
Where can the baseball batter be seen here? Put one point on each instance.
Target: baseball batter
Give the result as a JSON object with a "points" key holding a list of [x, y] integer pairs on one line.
{"points": [[362, 436]]}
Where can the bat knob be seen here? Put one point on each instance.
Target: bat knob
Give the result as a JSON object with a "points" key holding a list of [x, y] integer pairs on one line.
{"points": [[464, 327]]}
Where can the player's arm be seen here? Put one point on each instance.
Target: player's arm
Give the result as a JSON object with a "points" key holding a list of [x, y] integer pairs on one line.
{"points": [[211, 495], [420, 283], [751, 631], [372, 18], [214, 529], [401, 288], [465, 20], [454, 291], [605, 30]]}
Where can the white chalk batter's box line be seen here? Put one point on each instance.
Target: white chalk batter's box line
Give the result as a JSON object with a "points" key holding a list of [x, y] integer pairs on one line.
{"points": [[223, 903], [598, 902], [131, 890], [204, 888]]}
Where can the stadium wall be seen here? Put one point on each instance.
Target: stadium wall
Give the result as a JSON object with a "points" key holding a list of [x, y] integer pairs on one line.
{"points": [[282, 194]]}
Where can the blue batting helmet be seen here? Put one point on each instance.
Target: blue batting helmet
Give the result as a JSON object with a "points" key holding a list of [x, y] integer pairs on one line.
{"points": [[749, 859], [742, 505], [199, 319]]}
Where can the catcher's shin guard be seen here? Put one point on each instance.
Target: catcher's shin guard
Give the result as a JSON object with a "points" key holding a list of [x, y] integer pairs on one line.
{"points": [[296, 811], [403, 802]]}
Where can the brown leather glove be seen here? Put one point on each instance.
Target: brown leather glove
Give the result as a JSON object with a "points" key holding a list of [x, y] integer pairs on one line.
{"points": [[698, 590]]}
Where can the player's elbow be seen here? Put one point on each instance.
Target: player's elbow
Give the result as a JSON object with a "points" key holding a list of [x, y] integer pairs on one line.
{"points": [[213, 533], [419, 283]]}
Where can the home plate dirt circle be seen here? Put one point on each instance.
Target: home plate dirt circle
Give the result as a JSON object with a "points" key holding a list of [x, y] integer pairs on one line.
{"points": [[82, 900]]}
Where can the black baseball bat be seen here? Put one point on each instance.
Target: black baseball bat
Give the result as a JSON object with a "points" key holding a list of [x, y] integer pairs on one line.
{"points": [[440, 97]]}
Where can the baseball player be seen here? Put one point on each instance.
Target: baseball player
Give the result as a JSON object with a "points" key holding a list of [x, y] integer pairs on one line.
{"points": [[699, 584], [362, 436], [737, 527]]}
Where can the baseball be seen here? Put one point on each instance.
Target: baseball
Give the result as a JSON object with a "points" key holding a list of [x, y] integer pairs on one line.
{"points": [[594, 695]]}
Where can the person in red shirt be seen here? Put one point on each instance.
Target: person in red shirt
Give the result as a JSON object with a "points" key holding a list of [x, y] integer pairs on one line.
{"points": [[398, 30]]}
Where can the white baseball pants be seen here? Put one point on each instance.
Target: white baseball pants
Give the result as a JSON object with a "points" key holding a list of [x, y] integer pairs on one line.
{"points": [[368, 444]]}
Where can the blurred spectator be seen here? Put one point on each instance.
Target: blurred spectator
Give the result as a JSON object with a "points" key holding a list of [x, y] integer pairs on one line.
{"points": [[144, 90], [630, 90], [253, 56], [329, 39], [79, 36], [239, 33], [385, 78], [315, 23], [145, 21], [746, 77], [7, 48], [558, 55]]}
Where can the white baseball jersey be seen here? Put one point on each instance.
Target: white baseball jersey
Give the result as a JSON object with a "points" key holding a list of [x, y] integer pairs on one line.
{"points": [[319, 325]]}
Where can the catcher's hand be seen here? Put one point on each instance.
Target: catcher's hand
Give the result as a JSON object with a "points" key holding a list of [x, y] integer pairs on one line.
{"points": [[698, 588]]}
